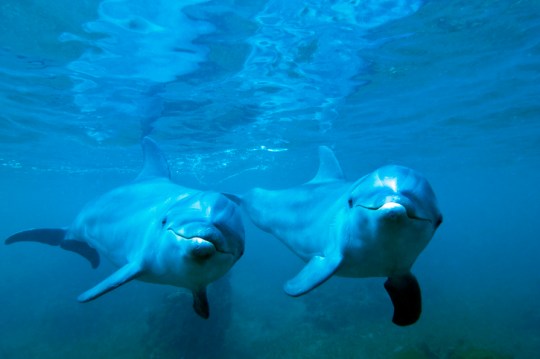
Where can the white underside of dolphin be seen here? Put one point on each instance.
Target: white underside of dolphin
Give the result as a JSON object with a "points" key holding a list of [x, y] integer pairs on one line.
{"points": [[155, 231], [374, 227]]}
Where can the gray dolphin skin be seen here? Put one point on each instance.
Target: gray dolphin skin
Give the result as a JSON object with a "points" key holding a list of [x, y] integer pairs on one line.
{"points": [[374, 227], [155, 231]]}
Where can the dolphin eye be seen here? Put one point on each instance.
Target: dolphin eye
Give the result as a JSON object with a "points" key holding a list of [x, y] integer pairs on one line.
{"points": [[350, 203], [163, 221]]}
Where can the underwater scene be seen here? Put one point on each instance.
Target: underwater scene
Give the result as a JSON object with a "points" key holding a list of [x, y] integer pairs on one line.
{"points": [[269, 179]]}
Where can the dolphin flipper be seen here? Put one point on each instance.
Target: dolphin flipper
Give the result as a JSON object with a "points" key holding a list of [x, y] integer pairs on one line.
{"points": [[56, 237], [200, 303], [315, 272], [123, 275], [405, 294]]}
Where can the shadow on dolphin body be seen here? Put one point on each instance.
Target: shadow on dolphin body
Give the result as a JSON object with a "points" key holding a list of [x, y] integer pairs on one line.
{"points": [[155, 231], [374, 227]]}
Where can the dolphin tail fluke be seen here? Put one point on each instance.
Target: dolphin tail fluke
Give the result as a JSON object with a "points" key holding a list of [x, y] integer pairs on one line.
{"points": [[123, 275], [56, 237], [316, 271], [405, 294], [234, 198], [200, 303], [50, 236], [83, 249]]}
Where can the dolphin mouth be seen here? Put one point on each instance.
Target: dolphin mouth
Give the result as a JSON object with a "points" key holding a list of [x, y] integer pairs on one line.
{"points": [[395, 205], [204, 245]]}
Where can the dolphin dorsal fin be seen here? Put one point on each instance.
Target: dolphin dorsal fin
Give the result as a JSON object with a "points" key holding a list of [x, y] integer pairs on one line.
{"points": [[329, 168], [155, 163]]}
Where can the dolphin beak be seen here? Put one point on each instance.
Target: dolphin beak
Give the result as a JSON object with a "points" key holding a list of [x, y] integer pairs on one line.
{"points": [[393, 211], [202, 248], [206, 243], [397, 207], [393, 206]]}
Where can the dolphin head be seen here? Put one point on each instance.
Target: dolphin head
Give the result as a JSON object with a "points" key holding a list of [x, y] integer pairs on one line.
{"points": [[399, 191], [394, 210], [204, 235]]}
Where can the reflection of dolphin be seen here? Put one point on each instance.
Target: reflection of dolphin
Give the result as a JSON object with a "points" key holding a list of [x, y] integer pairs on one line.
{"points": [[375, 227], [155, 231]]}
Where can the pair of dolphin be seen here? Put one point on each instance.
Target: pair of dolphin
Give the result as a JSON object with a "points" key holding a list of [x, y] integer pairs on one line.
{"points": [[157, 231]]}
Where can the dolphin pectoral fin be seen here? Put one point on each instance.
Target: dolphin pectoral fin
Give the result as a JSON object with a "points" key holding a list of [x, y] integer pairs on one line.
{"points": [[56, 237], [123, 275], [315, 272], [200, 303], [405, 294]]}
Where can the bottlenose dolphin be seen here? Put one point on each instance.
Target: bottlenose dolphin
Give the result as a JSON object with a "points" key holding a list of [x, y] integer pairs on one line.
{"points": [[374, 227], [155, 231]]}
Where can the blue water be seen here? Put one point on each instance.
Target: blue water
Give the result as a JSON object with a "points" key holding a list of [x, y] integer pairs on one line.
{"points": [[240, 94]]}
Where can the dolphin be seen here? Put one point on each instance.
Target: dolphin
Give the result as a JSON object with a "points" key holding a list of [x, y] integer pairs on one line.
{"points": [[155, 231], [374, 227]]}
